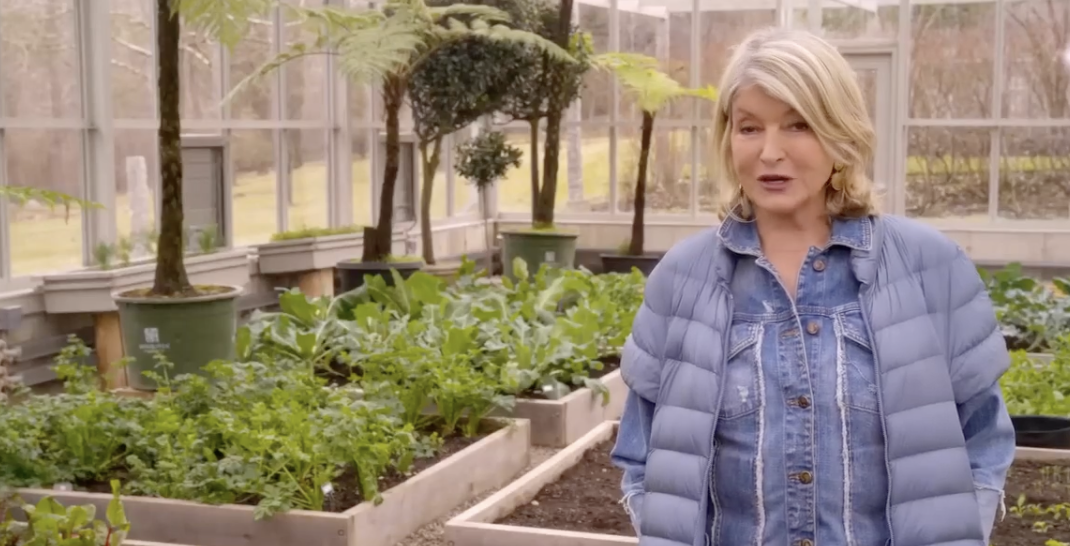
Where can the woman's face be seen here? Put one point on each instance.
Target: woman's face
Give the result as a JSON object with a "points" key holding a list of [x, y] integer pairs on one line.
{"points": [[779, 161]]}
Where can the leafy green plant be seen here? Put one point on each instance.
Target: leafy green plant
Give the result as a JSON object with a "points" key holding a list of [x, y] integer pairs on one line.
{"points": [[1031, 387], [10, 384], [1031, 314], [541, 337], [49, 523], [310, 232], [329, 395]]}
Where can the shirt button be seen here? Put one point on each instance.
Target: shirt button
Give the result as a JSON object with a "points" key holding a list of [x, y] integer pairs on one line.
{"points": [[819, 265], [803, 402], [813, 328], [805, 477]]}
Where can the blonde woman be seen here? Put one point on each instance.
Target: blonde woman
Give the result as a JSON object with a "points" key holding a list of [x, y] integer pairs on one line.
{"points": [[811, 372]]}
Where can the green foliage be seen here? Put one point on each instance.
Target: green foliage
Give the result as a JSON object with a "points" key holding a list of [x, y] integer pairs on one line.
{"points": [[225, 20], [542, 337], [540, 77], [371, 44], [308, 233], [1032, 387], [486, 158], [326, 394], [49, 523], [640, 76], [20, 195], [1031, 314]]}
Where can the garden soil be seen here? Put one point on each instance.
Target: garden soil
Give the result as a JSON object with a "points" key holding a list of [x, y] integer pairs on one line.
{"points": [[585, 498], [347, 486], [1032, 485]]}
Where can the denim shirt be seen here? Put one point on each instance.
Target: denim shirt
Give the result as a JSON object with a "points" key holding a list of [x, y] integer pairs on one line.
{"points": [[799, 452]]}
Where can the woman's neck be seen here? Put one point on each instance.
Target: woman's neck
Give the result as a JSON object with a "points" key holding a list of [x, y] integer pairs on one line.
{"points": [[798, 231]]}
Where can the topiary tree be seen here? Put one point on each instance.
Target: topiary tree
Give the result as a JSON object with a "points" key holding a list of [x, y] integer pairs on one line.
{"points": [[459, 83], [387, 47], [544, 88], [482, 161]]}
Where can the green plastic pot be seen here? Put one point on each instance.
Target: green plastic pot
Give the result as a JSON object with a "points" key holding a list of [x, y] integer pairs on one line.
{"points": [[190, 332], [556, 248]]}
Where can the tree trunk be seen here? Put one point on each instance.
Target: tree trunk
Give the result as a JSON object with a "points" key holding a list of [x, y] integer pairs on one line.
{"points": [[544, 210], [377, 239], [635, 247], [429, 166], [484, 207], [171, 279], [533, 130]]}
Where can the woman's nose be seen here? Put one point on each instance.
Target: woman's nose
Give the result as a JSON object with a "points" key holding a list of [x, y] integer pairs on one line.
{"points": [[772, 148]]}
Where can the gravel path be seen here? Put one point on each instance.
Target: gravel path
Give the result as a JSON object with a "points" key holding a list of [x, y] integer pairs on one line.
{"points": [[431, 534]]}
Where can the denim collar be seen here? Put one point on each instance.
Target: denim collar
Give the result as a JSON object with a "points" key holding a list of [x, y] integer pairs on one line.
{"points": [[742, 237]]}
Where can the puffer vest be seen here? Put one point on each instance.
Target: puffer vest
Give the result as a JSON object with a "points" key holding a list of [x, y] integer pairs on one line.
{"points": [[925, 322]]}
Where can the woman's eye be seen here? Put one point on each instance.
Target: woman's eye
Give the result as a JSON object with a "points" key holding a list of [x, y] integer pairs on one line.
{"points": [[801, 126]]}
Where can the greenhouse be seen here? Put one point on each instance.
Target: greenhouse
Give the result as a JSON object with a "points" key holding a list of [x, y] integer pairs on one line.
{"points": [[284, 153]]}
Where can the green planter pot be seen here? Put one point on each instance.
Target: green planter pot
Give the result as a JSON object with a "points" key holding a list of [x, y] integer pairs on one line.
{"points": [[190, 332], [555, 248]]}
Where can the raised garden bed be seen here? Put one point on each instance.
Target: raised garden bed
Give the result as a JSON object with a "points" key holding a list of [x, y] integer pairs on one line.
{"points": [[440, 485], [569, 500], [1038, 499], [572, 500], [558, 423]]}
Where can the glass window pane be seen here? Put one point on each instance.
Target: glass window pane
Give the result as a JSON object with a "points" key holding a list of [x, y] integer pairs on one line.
{"points": [[306, 78], [362, 177], [133, 66], [200, 76], [256, 100], [947, 173], [1034, 177], [40, 59], [959, 31], [59, 169], [255, 180], [307, 154], [849, 22], [137, 179], [720, 31], [1037, 59]]}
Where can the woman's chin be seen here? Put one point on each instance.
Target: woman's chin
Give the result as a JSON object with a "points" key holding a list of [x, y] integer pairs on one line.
{"points": [[778, 203]]}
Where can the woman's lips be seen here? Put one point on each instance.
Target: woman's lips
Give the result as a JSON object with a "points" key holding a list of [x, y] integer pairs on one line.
{"points": [[774, 183]]}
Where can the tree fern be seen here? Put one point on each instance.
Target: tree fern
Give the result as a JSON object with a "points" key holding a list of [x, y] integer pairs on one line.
{"points": [[21, 195]]}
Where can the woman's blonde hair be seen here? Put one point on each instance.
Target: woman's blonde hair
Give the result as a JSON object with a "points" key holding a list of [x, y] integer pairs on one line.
{"points": [[809, 75]]}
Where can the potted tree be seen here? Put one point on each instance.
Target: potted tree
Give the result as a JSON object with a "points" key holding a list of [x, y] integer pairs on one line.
{"points": [[482, 161], [545, 89], [651, 89], [386, 46], [191, 324], [459, 83]]}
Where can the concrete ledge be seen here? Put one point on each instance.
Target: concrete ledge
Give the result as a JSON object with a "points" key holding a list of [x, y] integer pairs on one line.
{"points": [[558, 423], [406, 507], [477, 527]]}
